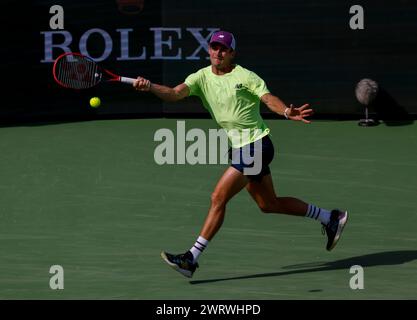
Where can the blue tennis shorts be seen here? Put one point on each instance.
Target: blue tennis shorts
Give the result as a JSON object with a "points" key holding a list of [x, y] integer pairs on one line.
{"points": [[253, 159]]}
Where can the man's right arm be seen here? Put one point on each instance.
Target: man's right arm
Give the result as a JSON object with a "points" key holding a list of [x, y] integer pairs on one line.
{"points": [[165, 93]]}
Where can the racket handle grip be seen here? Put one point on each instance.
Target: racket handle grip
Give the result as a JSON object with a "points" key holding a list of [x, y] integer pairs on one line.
{"points": [[127, 80]]}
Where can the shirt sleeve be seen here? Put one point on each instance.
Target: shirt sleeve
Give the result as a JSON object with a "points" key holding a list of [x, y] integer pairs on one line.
{"points": [[256, 85], [193, 83]]}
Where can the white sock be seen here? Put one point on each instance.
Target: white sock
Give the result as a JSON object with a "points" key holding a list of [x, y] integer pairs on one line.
{"points": [[314, 212], [198, 247]]}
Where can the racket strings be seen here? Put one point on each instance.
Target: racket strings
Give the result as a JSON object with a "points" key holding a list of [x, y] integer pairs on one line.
{"points": [[77, 72]]}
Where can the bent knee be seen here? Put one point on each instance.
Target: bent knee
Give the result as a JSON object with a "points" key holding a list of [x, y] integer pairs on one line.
{"points": [[266, 207]]}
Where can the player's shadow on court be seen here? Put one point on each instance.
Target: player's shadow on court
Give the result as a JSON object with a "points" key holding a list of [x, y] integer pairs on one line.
{"points": [[368, 260]]}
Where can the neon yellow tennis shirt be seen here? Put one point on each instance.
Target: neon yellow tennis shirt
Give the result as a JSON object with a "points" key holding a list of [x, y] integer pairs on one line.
{"points": [[233, 101]]}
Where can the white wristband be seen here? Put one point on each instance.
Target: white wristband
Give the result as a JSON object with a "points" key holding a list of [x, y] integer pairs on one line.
{"points": [[285, 112]]}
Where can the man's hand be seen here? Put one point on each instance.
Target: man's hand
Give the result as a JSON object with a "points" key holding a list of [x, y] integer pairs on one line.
{"points": [[298, 114], [278, 106], [142, 84]]}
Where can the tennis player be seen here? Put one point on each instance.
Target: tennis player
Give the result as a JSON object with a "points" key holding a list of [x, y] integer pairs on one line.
{"points": [[232, 95]]}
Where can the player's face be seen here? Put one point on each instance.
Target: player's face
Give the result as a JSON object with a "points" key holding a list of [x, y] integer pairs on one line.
{"points": [[220, 56]]}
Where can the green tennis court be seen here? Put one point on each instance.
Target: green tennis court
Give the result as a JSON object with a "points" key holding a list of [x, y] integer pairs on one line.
{"points": [[88, 196]]}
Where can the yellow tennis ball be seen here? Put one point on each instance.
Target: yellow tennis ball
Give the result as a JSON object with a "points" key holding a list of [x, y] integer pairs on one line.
{"points": [[95, 102]]}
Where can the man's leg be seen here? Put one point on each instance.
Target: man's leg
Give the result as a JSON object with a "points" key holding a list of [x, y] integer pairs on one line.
{"points": [[264, 195], [229, 184]]}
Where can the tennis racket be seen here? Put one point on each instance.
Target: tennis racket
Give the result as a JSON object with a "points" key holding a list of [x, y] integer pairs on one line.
{"points": [[76, 71]]}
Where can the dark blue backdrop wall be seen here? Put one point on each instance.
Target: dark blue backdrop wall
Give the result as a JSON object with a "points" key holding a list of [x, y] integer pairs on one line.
{"points": [[305, 51]]}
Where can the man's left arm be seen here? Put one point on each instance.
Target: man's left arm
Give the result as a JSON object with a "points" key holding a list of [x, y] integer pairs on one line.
{"points": [[276, 105]]}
